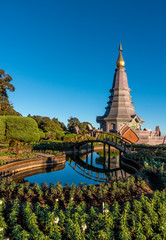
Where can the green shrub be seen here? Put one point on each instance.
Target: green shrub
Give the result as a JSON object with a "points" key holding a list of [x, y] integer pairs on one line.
{"points": [[19, 130], [71, 136], [42, 134], [2, 162], [59, 135], [43, 146], [54, 152], [22, 129], [2, 129]]}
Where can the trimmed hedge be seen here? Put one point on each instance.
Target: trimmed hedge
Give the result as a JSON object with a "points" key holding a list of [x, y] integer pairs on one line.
{"points": [[22, 129]]}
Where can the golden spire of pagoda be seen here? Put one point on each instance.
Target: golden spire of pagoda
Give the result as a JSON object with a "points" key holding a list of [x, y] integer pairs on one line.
{"points": [[120, 62]]}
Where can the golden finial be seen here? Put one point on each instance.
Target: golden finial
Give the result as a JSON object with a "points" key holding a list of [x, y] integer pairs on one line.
{"points": [[120, 47], [120, 62]]}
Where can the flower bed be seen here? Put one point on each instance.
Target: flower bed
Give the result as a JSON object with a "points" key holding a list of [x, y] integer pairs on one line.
{"points": [[28, 211]]}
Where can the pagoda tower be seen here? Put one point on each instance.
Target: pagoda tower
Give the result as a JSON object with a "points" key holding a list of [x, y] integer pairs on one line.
{"points": [[120, 110]]}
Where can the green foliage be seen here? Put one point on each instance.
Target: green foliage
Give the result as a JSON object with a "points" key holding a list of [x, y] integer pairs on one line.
{"points": [[63, 126], [19, 234], [8, 109], [50, 129], [3, 224], [14, 212], [83, 126], [31, 222], [13, 155], [19, 130], [156, 154], [38, 190], [52, 135], [143, 218], [57, 153], [70, 136], [5, 107], [2, 162], [59, 135], [22, 129], [43, 146], [46, 124], [74, 122], [42, 134], [2, 129], [152, 161]]}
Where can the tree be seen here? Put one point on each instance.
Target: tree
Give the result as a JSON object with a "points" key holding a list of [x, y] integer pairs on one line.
{"points": [[5, 107], [63, 126], [17, 130], [53, 129], [57, 124], [4, 86], [46, 124], [72, 123], [83, 126]]}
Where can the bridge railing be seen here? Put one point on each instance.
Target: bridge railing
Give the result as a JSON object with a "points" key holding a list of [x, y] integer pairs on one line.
{"points": [[98, 135], [112, 137]]}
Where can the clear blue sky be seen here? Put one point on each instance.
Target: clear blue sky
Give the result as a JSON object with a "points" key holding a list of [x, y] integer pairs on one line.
{"points": [[62, 56]]}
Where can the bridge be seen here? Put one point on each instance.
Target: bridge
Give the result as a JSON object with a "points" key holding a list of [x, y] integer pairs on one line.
{"points": [[108, 139]]}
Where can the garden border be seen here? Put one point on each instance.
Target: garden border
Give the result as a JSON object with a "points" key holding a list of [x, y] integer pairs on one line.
{"points": [[27, 164]]}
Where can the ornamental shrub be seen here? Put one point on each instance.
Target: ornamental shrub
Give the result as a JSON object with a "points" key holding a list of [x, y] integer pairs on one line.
{"points": [[18, 130], [23, 129]]}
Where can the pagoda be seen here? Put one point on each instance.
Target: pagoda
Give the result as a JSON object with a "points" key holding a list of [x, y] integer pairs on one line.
{"points": [[120, 110]]}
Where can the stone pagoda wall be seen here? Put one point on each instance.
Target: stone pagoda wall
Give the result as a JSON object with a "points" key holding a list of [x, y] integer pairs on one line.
{"points": [[148, 137]]}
